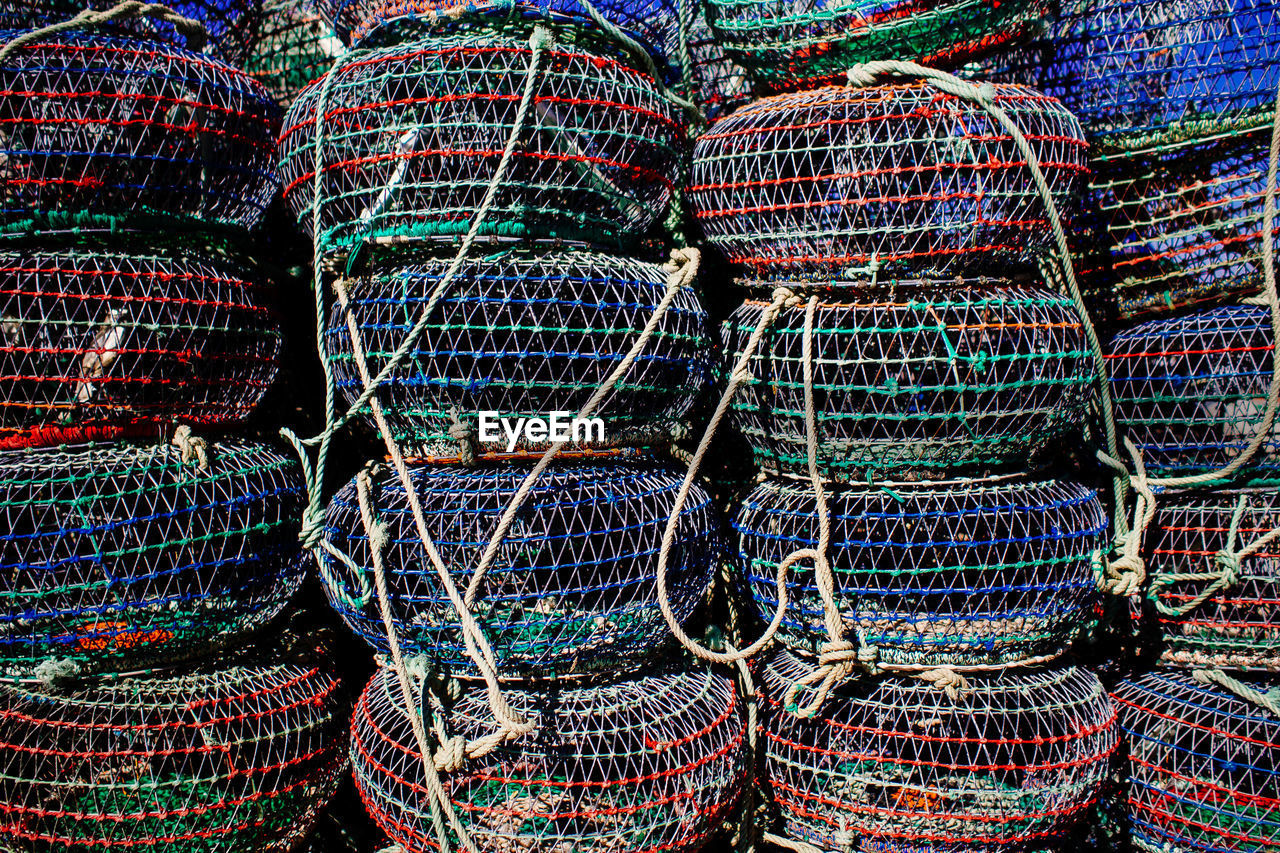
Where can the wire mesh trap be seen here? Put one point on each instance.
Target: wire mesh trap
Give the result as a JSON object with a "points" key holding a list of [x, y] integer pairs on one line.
{"points": [[414, 133], [897, 763], [296, 46], [522, 333], [571, 587], [798, 45], [1202, 766], [959, 375], [891, 179], [1211, 614], [1191, 391], [653, 763], [965, 573], [94, 124], [713, 81], [117, 556], [222, 760], [101, 341]]}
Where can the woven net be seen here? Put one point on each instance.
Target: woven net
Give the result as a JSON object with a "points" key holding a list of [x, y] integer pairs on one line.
{"points": [[917, 379], [413, 134], [93, 338], [116, 556], [97, 124], [223, 760], [522, 333], [889, 764], [892, 178], [719, 85], [1191, 391], [795, 45], [572, 585], [1202, 766], [296, 46], [962, 573], [651, 764], [1237, 627]]}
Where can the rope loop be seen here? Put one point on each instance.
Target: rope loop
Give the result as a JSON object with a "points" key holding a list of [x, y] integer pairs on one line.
{"points": [[946, 679]]}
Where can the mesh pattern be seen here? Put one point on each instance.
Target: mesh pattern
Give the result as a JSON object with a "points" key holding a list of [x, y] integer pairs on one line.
{"points": [[894, 178], [917, 379], [413, 134], [1202, 766], [219, 761], [114, 556], [98, 124], [296, 47], [1192, 391], [645, 765], [92, 337], [1016, 759], [1239, 627], [718, 84], [962, 573], [523, 334], [572, 586]]}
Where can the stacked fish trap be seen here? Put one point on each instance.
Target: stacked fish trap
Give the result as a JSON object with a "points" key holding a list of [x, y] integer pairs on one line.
{"points": [[296, 46], [479, 183], [139, 556]]}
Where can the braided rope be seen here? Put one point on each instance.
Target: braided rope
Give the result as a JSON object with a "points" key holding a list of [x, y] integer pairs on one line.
{"points": [[191, 29], [1268, 701]]}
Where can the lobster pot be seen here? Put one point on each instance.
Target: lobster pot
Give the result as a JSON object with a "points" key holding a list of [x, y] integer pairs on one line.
{"points": [[1236, 627], [117, 556], [963, 573], [1192, 391], [522, 334], [296, 46], [652, 763], [897, 764], [404, 156], [221, 760], [917, 378], [572, 585], [794, 46], [95, 339], [891, 179], [714, 81], [1202, 765], [105, 125]]}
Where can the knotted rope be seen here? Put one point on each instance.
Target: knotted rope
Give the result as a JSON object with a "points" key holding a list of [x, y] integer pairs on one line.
{"points": [[192, 30], [192, 447], [1269, 701]]}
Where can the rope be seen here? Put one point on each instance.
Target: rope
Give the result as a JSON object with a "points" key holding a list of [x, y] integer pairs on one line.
{"points": [[1269, 701], [946, 679], [790, 844], [193, 447], [1125, 575], [192, 30]]}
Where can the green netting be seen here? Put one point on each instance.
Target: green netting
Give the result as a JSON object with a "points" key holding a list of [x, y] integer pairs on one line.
{"points": [[295, 47]]}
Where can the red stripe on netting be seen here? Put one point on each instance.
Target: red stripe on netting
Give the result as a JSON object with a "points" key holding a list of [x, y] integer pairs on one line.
{"points": [[1160, 816], [1216, 351], [948, 168], [1142, 709], [1194, 249], [55, 435], [1232, 794]]}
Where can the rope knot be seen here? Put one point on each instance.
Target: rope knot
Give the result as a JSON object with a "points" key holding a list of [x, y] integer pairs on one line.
{"points": [[682, 267], [452, 755], [1228, 562], [860, 75], [787, 297], [312, 533], [541, 38], [464, 433], [55, 671], [869, 659], [947, 680], [193, 447]]}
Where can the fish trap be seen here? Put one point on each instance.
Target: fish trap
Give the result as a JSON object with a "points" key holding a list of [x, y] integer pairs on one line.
{"points": [[118, 556], [917, 378], [522, 334], [791, 46], [1191, 391], [100, 125], [413, 134], [1202, 766], [892, 179], [713, 80], [222, 760], [1210, 614], [103, 342], [963, 573], [653, 763], [897, 764], [572, 585], [296, 46]]}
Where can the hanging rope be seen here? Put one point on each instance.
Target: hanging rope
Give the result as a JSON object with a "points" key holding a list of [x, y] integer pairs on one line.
{"points": [[192, 30], [1269, 701], [1125, 575]]}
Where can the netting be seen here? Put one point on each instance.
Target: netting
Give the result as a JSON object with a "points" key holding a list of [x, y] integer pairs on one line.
{"points": [[296, 46], [719, 85], [92, 338], [651, 764], [1202, 766], [522, 333], [116, 556], [1015, 759], [572, 585], [97, 124], [413, 135], [1191, 391], [798, 45], [889, 178], [914, 378], [223, 760], [964, 573], [1235, 626]]}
